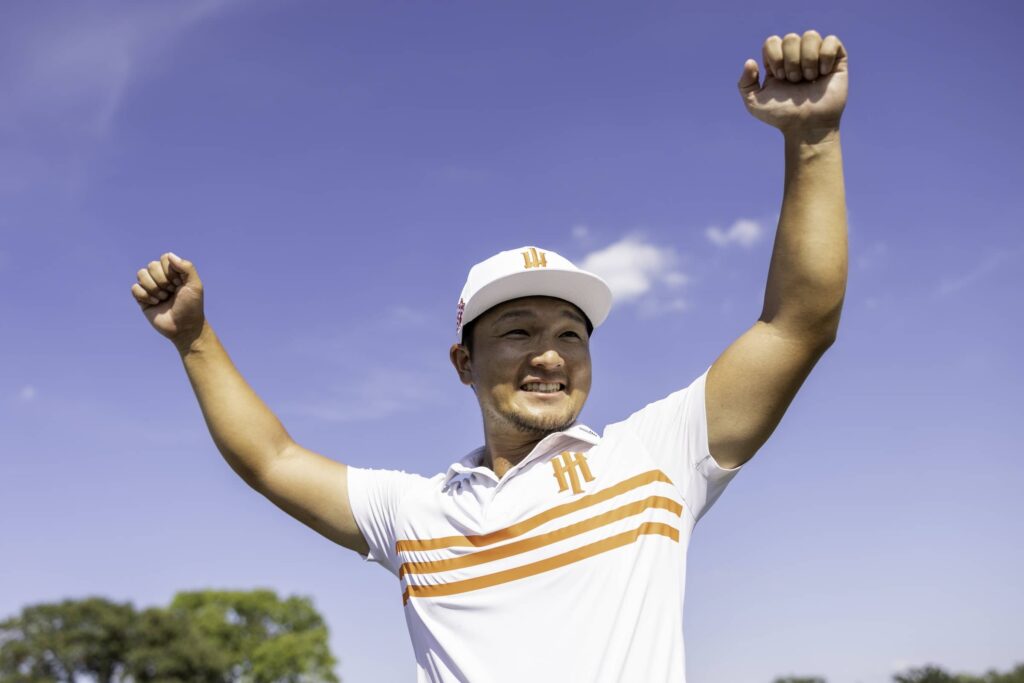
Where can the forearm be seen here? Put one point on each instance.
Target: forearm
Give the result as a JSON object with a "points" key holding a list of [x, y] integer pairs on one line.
{"points": [[807, 276], [246, 432]]}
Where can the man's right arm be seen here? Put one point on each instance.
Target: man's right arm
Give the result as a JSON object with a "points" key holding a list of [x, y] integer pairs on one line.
{"points": [[309, 487]]}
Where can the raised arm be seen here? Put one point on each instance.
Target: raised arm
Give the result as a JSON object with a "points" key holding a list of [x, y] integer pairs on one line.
{"points": [[752, 383], [308, 486]]}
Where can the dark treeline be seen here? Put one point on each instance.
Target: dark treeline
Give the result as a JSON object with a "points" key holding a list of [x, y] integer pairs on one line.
{"points": [[932, 674], [201, 637]]}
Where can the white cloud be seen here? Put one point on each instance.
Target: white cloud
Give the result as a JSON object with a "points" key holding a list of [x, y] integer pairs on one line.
{"points": [[744, 232], [991, 263], [580, 232], [640, 272], [66, 73], [27, 394], [81, 62]]}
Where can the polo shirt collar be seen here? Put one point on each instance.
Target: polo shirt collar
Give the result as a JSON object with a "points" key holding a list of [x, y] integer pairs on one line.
{"points": [[473, 462]]}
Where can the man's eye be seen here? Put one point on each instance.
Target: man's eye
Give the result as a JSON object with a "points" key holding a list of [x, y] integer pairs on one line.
{"points": [[515, 333], [570, 334]]}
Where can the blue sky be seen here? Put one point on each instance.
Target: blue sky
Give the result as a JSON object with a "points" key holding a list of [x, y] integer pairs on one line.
{"points": [[334, 169]]}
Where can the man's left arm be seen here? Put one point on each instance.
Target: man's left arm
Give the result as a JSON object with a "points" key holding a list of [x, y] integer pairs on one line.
{"points": [[752, 383]]}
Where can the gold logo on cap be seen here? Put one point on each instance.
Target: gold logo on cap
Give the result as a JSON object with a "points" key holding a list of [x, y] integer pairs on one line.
{"points": [[534, 258]]}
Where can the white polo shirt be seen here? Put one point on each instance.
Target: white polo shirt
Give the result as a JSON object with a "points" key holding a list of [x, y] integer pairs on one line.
{"points": [[571, 567]]}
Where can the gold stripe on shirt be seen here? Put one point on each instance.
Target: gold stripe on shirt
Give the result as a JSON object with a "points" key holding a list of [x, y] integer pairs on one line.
{"points": [[534, 542], [596, 548], [526, 525]]}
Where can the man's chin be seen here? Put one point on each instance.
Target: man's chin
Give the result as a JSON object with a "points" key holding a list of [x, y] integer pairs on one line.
{"points": [[540, 423]]}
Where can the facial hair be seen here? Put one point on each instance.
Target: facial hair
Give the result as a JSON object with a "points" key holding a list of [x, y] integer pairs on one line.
{"points": [[537, 426]]}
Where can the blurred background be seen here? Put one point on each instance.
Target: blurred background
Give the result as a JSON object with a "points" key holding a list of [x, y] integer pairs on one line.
{"points": [[334, 169]]}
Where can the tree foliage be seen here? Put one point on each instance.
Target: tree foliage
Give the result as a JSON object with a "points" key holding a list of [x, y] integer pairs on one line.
{"points": [[201, 637], [933, 674], [930, 674]]}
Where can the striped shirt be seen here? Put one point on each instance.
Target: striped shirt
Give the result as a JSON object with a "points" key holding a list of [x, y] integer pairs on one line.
{"points": [[570, 567]]}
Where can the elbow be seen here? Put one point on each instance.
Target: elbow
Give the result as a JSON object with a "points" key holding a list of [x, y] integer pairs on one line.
{"points": [[827, 334], [825, 328], [824, 334], [817, 334], [827, 340]]}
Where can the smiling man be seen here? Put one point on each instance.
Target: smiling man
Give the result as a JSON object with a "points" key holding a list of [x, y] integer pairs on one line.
{"points": [[552, 552]]}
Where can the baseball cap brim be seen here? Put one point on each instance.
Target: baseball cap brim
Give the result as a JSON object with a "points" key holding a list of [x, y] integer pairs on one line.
{"points": [[586, 290]]}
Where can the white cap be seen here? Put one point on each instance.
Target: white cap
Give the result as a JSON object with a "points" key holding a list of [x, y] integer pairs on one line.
{"points": [[531, 271]]}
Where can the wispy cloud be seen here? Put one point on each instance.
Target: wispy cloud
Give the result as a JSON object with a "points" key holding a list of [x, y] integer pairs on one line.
{"points": [[380, 393], [990, 264], [743, 232], [66, 73], [641, 273], [394, 383], [27, 394], [872, 256]]}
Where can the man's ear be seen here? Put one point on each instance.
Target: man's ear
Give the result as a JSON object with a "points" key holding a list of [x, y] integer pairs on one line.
{"points": [[459, 356]]}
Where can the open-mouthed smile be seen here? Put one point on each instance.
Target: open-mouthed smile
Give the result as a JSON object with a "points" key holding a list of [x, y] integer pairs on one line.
{"points": [[542, 387]]}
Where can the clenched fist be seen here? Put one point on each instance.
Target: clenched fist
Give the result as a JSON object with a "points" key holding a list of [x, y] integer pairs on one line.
{"points": [[171, 296], [805, 83]]}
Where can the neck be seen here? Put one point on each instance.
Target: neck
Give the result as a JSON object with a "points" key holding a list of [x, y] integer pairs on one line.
{"points": [[502, 452]]}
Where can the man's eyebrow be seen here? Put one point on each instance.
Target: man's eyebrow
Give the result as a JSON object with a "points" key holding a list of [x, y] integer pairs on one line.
{"points": [[515, 313], [527, 313], [569, 313]]}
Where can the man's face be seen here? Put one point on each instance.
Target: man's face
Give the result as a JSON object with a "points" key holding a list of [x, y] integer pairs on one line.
{"points": [[529, 364]]}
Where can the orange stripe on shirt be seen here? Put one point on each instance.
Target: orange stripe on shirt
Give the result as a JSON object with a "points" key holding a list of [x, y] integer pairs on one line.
{"points": [[535, 521], [534, 542], [546, 565]]}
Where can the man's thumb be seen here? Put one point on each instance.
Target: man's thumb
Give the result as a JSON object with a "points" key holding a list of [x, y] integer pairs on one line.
{"points": [[180, 264], [748, 79]]}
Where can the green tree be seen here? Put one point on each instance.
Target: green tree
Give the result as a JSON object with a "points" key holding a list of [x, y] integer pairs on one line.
{"points": [[1016, 675], [933, 674], [54, 642], [926, 674], [201, 637], [167, 647]]}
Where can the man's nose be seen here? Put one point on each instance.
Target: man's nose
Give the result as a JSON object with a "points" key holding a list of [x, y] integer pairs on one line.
{"points": [[549, 359]]}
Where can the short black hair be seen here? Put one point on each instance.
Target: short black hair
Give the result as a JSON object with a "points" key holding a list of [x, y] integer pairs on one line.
{"points": [[467, 331]]}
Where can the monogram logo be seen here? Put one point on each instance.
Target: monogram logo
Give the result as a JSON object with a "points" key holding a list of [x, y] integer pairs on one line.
{"points": [[460, 309], [571, 465], [534, 259]]}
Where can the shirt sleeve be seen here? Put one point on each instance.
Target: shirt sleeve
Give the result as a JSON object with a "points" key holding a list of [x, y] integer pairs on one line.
{"points": [[374, 496], [675, 432]]}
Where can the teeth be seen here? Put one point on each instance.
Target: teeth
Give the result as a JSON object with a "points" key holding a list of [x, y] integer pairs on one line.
{"points": [[545, 388]]}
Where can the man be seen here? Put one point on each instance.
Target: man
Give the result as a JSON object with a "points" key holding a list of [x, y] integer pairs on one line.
{"points": [[553, 553]]}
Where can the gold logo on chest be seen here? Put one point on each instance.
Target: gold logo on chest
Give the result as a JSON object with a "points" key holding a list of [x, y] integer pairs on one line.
{"points": [[568, 468]]}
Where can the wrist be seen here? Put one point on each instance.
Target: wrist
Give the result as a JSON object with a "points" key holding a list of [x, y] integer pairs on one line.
{"points": [[823, 135], [193, 340]]}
